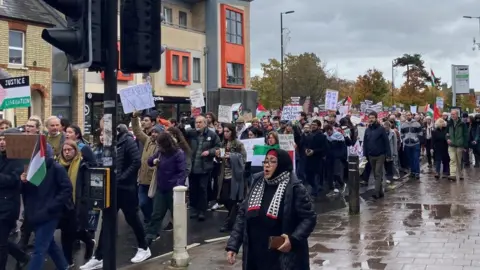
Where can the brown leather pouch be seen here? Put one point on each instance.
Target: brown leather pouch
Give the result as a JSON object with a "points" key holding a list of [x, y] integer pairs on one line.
{"points": [[275, 242]]}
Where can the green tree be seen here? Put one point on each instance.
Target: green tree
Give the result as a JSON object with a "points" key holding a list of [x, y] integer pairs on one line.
{"points": [[371, 86], [304, 75]]}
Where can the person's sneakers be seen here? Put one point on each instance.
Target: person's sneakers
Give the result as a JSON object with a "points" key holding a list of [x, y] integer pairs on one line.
{"points": [[224, 229], [417, 176], [142, 255], [89, 247], [193, 214], [452, 178], [437, 176], [92, 264], [169, 227], [71, 266], [201, 217], [396, 177], [336, 190], [216, 206]]}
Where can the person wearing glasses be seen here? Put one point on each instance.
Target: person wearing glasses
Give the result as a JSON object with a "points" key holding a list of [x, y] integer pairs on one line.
{"points": [[275, 220]]}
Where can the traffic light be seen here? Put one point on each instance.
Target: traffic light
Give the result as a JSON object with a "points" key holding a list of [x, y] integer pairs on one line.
{"points": [[140, 36], [98, 52], [76, 39]]}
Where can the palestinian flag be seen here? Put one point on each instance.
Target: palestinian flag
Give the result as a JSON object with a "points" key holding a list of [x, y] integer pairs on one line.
{"points": [[432, 75], [259, 152], [37, 169], [429, 110], [261, 111], [346, 101]]}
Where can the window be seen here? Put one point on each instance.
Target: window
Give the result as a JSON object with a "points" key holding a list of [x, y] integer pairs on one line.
{"points": [[196, 70], [62, 107], [234, 27], [182, 19], [234, 74], [16, 42], [167, 13], [177, 70], [175, 66], [185, 67]]}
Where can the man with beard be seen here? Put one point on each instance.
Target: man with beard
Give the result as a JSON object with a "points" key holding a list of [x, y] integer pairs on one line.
{"points": [[376, 147], [204, 144], [411, 132], [316, 147]]}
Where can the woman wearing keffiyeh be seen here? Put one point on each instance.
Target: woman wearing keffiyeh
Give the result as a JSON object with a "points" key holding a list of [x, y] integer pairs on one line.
{"points": [[277, 205]]}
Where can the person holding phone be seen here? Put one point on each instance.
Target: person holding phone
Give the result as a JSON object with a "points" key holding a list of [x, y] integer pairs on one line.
{"points": [[275, 220]]}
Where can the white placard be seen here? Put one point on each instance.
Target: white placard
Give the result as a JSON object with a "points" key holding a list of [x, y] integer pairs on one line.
{"points": [[286, 142], [460, 79], [224, 114], [291, 113], [331, 100], [196, 98], [361, 133], [413, 108], [137, 97], [249, 144], [439, 102]]}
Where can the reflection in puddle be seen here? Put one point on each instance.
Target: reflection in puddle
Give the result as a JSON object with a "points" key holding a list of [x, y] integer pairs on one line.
{"points": [[370, 264]]}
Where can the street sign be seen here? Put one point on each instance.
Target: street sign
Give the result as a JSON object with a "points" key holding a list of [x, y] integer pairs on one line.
{"points": [[460, 79]]}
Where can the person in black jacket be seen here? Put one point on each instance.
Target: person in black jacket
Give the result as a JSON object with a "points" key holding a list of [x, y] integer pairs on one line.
{"points": [[440, 148], [127, 166], [278, 206], [74, 222], [336, 159], [204, 144], [316, 146], [376, 148], [44, 205], [10, 187]]}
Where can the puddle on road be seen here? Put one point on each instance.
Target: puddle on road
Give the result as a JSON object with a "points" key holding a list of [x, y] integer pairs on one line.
{"points": [[373, 264]]}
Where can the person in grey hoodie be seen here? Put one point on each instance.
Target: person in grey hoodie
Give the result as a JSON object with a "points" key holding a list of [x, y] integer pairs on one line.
{"points": [[411, 132]]}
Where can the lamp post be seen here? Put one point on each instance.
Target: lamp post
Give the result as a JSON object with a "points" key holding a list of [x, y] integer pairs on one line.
{"points": [[281, 48], [477, 18]]}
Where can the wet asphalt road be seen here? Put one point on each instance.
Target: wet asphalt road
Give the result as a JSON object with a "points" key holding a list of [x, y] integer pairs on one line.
{"points": [[199, 233]]}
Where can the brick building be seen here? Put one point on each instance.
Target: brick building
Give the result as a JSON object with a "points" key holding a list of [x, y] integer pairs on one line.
{"points": [[24, 53]]}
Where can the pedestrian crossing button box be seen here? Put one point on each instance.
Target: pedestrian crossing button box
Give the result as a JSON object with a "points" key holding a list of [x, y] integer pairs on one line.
{"points": [[98, 191]]}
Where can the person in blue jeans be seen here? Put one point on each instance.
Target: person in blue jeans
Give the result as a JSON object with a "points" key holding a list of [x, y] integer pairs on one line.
{"points": [[411, 133], [44, 205]]}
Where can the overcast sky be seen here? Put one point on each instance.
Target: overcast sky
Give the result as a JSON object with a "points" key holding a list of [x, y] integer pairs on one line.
{"points": [[353, 36]]}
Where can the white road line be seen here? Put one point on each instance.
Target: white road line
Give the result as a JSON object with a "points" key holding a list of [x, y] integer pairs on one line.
{"points": [[171, 252], [217, 239]]}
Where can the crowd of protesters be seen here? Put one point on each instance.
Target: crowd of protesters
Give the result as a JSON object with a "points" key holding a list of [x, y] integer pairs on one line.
{"points": [[154, 156]]}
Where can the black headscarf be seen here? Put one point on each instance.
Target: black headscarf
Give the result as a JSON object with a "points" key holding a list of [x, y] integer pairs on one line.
{"points": [[284, 162]]}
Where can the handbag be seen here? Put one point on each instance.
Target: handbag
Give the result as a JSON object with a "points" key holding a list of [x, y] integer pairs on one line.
{"points": [[153, 184]]}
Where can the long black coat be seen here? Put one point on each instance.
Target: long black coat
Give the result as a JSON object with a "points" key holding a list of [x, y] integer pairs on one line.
{"points": [[81, 204], [10, 188], [299, 220]]}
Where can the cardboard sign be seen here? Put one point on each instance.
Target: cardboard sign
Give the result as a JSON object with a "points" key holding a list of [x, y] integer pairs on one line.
{"points": [[291, 113], [20, 146]]}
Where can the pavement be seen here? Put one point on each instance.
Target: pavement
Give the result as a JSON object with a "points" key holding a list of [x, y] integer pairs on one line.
{"points": [[426, 224], [200, 234]]}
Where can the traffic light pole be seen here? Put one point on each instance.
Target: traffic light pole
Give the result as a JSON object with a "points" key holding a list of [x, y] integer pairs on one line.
{"points": [[109, 226]]}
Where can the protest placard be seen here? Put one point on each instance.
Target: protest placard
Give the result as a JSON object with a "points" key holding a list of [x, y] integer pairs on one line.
{"points": [[286, 142], [224, 114], [15, 93], [20, 146], [331, 100], [137, 97], [196, 98], [290, 113]]}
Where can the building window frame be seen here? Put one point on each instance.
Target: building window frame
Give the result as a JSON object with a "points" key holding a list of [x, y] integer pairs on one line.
{"points": [[172, 69], [182, 19], [15, 48], [168, 15], [196, 70], [235, 74], [234, 26]]}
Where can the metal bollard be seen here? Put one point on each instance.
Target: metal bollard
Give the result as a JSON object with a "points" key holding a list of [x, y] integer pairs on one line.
{"points": [[180, 257], [353, 185]]}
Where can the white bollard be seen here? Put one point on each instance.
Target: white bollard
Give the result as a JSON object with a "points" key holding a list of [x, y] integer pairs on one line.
{"points": [[180, 257]]}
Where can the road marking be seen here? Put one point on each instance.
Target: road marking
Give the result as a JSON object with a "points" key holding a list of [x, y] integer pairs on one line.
{"points": [[171, 252], [217, 239]]}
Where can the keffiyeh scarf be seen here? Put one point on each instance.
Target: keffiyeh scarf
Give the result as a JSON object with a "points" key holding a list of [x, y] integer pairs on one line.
{"points": [[255, 201]]}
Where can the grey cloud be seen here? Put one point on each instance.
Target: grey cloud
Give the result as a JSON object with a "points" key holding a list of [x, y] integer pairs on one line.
{"points": [[346, 29]]}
